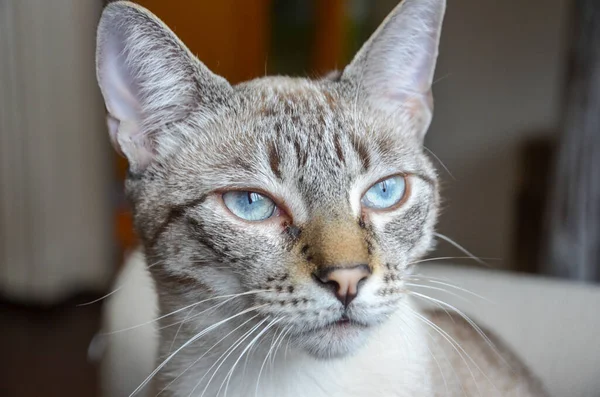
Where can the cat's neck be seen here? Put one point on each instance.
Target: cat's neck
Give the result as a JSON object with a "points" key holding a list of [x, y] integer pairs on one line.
{"points": [[394, 362]]}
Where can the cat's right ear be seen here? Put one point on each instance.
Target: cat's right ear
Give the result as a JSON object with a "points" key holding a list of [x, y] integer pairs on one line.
{"points": [[393, 71], [149, 81]]}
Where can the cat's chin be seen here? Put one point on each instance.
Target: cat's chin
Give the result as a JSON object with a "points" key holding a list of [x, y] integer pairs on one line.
{"points": [[337, 340]]}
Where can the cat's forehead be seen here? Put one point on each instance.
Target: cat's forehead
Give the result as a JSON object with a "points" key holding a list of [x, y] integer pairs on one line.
{"points": [[297, 100], [291, 131]]}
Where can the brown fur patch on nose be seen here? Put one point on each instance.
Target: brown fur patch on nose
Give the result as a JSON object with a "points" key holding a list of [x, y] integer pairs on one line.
{"points": [[337, 243]]}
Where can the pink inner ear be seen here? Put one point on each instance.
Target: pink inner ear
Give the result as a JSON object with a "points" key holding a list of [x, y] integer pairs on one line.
{"points": [[129, 143], [116, 82]]}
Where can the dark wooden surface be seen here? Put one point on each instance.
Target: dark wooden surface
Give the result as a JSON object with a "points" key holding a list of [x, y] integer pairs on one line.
{"points": [[44, 350]]}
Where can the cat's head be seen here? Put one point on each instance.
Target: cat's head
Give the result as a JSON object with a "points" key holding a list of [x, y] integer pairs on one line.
{"points": [[309, 198]]}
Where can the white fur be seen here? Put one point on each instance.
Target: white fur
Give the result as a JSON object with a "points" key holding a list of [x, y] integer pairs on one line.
{"points": [[393, 363], [129, 356]]}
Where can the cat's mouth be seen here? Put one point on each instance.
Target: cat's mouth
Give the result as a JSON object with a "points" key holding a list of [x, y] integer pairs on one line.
{"points": [[343, 324], [334, 339], [339, 327], [346, 322]]}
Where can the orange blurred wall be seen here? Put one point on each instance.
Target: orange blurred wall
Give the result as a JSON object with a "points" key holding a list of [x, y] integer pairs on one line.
{"points": [[230, 36]]}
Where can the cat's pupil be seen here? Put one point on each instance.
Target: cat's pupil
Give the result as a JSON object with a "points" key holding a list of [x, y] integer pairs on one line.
{"points": [[383, 186]]}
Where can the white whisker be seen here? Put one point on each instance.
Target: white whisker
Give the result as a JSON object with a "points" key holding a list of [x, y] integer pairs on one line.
{"points": [[231, 352], [252, 342], [409, 328], [438, 289], [101, 298], [263, 366], [213, 307], [180, 310], [231, 348], [461, 248], [112, 292], [445, 258], [208, 351], [455, 345], [440, 281], [282, 337], [439, 161], [468, 320], [190, 341], [181, 326]]}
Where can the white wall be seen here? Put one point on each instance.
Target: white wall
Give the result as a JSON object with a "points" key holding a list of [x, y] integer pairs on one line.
{"points": [[55, 160], [501, 75]]}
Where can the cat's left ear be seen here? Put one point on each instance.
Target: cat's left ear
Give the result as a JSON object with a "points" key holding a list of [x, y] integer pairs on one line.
{"points": [[394, 69], [150, 83]]}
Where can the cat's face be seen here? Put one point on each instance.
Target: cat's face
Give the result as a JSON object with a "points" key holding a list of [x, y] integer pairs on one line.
{"points": [[309, 198]]}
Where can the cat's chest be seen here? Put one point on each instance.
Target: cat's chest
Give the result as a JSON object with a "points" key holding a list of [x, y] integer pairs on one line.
{"points": [[394, 363]]}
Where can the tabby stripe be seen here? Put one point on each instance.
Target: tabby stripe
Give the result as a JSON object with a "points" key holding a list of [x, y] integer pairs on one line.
{"points": [[274, 160], [338, 149], [175, 213], [362, 152]]}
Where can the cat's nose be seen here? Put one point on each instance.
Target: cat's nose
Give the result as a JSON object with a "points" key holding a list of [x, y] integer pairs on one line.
{"points": [[344, 282]]}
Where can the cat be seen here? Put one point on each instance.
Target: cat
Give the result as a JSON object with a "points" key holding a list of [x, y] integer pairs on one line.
{"points": [[280, 217]]}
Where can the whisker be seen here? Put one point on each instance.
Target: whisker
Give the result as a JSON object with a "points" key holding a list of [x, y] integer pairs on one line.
{"points": [[231, 352], [231, 348], [438, 305], [461, 248], [113, 291], [180, 310], [440, 258], [278, 343], [455, 345], [437, 289], [409, 328], [468, 320], [263, 366], [181, 326], [230, 373], [101, 298], [440, 281], [213, 307], [441, 78], [190, 341], [439, 161], [206, 352]]}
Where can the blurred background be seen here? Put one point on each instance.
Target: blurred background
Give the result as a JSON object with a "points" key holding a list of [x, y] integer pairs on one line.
{"points": [[515, 136]]}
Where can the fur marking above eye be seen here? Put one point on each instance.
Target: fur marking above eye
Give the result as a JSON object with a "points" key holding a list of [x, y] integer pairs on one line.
{"points": [[274, 161], [338, 149], [362, 152]]}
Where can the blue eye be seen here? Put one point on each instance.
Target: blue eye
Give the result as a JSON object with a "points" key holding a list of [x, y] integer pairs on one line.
{"points": [[250, 206], [385, 194]]}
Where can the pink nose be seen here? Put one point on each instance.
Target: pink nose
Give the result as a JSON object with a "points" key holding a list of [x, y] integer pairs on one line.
{"points": [[344, 282]]}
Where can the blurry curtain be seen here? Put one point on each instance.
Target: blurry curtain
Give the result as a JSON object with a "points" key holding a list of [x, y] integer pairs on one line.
{"points": [[55, 161], [573, 241]]}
